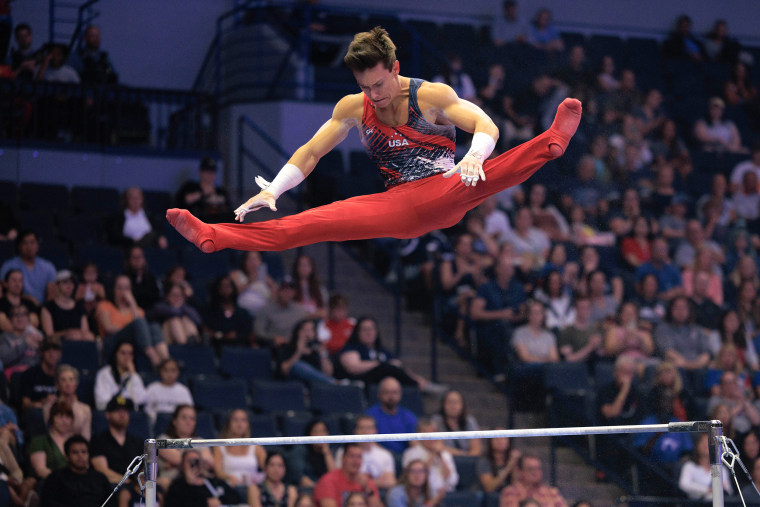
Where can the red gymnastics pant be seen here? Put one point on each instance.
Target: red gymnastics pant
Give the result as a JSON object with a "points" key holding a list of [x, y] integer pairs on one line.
{"points": [[407, 210]]}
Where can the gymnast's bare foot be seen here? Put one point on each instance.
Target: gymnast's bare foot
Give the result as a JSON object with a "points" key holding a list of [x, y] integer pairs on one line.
{"points": [[191, 229], [564, 125]]}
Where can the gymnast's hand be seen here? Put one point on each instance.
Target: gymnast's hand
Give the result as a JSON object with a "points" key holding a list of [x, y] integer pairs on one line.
{"points": [[471, 170], [260, 200]]}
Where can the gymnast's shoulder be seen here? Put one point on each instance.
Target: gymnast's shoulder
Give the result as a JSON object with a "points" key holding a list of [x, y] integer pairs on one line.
{"points": [[349, 108]]}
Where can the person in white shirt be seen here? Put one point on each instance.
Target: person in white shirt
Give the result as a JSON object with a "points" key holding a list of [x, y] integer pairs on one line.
{"points": [[442, 468], [119, 376], [695, 478], [163, 396], [751, 165], [377, 462]]}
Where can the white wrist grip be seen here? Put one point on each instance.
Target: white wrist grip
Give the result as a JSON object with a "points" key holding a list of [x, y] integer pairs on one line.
{"points": [[288, 177], [482, 146]]}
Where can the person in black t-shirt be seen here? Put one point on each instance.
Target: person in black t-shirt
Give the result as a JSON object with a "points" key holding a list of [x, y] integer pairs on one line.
{"points": [[115, 448], [77, 485], [192, 489], [38, 382]]}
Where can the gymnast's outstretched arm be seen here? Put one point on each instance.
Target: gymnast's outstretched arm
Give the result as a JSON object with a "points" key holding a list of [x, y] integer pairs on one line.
{"points": [[347, 114]]}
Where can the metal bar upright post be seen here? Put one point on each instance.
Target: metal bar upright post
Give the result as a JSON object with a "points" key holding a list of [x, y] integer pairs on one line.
{"points": [[151, 472], [716, 464]]}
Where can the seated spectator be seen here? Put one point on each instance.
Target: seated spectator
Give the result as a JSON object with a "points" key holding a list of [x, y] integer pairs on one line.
{"points": [[23, 57], [546, 216], [178, 275], [726, 359], [75, 484], [679, 340], [584, 189], [53, 66], [715, 133], [495, 468], [311, 462], [636, 248], [144, 283], [192, 488], [751, 165], [746, 307], [390, 417], [12, 296], [90, 291], [179, 321], [38, 273], [164, 395], [337, 328], [739, 89], [509, 27], [705, 268], [647, 299], [749, 446], [497, 223], [454, 75], [746, 200], [686, 252], [682, 44], [114, 449], [364, 358], [10, 432], [305, 358], [531, 245], [277, 319], [338, 484], [606, 81], [453, 416], [46, 452], [122, 319], [575, 73], [581, 340], [119, 377], [533, 343], [627, 338], [695, 477], [744, 415], [442, 470], [732, 332], [543, 34], [706, 312], [38, 389], [253, 283], [414, 488], [663, 191], [673, 222], [18, 490], [719, 45], [497, 307], [170, 461], [63, 316], [203, 198], [669, 279], [668, 147], [132, 225], [311, 295], [745, 272], [239, 465], [377, 462], [667, 376], [273, 491], [91, 62], [224, 320], [529, 484], [724, 213], [664, 448], [603, 306], [19, 346], [649, 116], [749, 492], [66, 382]]}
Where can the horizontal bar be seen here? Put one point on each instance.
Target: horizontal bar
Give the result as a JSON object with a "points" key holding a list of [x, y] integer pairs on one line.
{"points": [[187, 443]]}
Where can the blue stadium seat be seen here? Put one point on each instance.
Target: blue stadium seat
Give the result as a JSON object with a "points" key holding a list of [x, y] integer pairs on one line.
{"points": [[246, 363], [80, 229], [326, 399], [462, 499], [277, 397], [294, 424], [139, 425], [263, 425], [82, 355], [225, 394], [43, 196], [109, 259], [204, 425], [39, 221], [467, 468], [599, 46], [160, 259], [9, 193], [194, 359], [567, 376], [33, 423], [157, 201], [100, 200]]}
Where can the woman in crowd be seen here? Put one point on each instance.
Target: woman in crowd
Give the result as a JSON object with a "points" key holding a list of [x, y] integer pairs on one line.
{"points": [[732, 332], [727, 359], [413, 489], [224, 320], [122, 319], [695, 478], [453, 416], [90, 291], [603, 306], [636, 248], [310, 293], [119, 376], [628, 338], [546, 216], [164, 395], [273, 492], [716, 133], [178, 275], [253, 283], [46, 451], [312, 461], [557, 299], [238, 465], [495, 467], [533, 343], [305, 358], [667, 376], [182, 425], [179, 321], [67, 381], [62, 316], [13, 295]]}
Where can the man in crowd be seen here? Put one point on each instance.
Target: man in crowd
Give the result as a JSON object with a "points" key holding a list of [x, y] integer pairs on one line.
{"points": [[389, 416]]}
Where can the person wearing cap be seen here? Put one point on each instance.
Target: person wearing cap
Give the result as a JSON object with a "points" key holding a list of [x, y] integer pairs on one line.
{"points": [[203, 197], [717, 133], [115, 448], [279, 317], [39, 274], [38, 388], [62, 316]]}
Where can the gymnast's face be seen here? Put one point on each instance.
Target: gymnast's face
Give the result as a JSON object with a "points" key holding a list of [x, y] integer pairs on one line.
{"points": [[379, 84]]}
